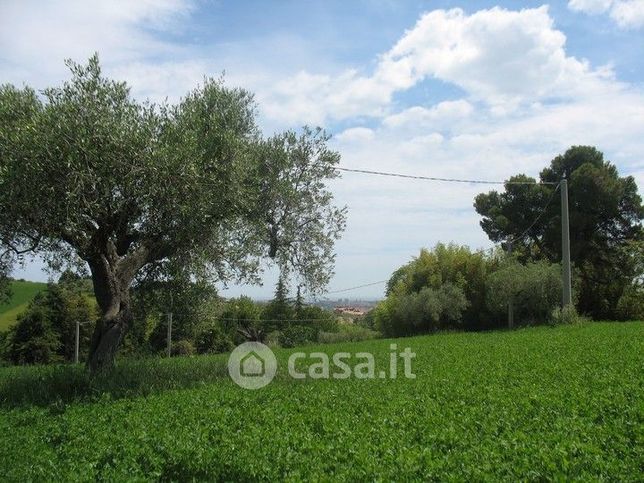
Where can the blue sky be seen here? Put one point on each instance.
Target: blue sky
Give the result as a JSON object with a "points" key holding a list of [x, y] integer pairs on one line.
{"points": [[473, 89]]}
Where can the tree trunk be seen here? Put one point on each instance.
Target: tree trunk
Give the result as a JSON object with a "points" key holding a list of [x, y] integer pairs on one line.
{"points": [[108, 335], [112, 290]]}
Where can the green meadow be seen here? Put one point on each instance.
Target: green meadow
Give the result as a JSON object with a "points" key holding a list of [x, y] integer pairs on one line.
{"points": [[531, 404]]}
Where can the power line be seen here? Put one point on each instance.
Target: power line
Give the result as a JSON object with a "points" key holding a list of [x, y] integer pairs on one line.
{"points": [[434, 178], [357, 287]]}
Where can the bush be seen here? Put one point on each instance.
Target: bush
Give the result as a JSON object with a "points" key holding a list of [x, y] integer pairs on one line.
{"points": [[32, 340], [348, 333], [454, 265], [534, 288], [565, 316], [182, 348], [214, 340], [428, 310], [297, 335]]}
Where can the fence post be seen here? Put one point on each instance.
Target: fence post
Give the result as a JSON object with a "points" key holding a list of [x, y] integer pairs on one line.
{"points": [[76, 348], [169, 341]]}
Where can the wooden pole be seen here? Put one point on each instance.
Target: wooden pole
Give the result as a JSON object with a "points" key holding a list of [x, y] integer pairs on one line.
{"points": [[77, 346], [169, 333]]}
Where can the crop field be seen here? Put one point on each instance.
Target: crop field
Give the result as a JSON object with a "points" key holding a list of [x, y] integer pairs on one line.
{"points": [[538, 403], [22, 293]]}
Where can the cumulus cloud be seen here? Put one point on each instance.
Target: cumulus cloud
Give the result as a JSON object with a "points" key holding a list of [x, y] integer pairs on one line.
{"points": [[497, 56], [418, 116], [628, 14]]}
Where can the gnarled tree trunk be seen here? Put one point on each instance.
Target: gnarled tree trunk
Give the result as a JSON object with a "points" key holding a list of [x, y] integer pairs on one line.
{"points": [[112, 276]]}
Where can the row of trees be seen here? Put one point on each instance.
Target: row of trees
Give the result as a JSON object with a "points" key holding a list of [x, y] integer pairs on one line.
{"points": [[141, 193], [203, 322], [453, 288]]}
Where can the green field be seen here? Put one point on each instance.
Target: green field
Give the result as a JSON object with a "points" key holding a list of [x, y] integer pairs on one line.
{"points": [[532, 404], [22, 293]]}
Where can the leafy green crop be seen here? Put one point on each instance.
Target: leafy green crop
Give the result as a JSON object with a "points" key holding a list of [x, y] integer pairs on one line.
{"points": [[533, 404]]}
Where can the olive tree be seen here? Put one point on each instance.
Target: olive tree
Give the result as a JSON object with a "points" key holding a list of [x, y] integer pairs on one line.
{"points": [[89, 173]]}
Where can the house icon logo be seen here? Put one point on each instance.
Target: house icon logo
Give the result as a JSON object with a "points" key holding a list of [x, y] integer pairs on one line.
{"points": [[252, 365]]}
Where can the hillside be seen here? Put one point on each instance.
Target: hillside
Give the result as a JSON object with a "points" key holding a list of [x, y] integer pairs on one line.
{"points": [[532, 404], [22, 293]]}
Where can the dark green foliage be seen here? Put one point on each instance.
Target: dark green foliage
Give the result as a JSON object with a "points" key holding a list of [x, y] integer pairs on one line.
{"points": [[278, 313], [33, 339], [213, 340], [183, 348], [295, 335], [565, 316], [241, 319], [46, 331], [537, 404], [631, 303], [605, 224], [65, 305], [154, 300], [317, 317], [534, 288], [367, 321]]}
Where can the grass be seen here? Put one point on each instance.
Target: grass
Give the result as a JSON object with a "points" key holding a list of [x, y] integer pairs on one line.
{"points": [[531, 404], [22, 293]]}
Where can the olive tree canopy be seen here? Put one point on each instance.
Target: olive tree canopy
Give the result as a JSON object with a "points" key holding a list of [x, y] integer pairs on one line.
{"points": [[88, 172]]}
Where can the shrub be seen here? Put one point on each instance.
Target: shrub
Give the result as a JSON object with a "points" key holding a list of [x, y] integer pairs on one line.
{"points": [[428, 310], [182, 348], [534, 288], [297, 335], [48, 327], [565, 316], [32, 340], [241, 319], [454, 265], [214, 340]]}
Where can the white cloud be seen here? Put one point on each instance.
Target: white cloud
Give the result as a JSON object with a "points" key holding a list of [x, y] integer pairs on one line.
{"points": [[356, 134], [500, 57], [628, 14], [446, 111], [36, 36], [590, 6]]}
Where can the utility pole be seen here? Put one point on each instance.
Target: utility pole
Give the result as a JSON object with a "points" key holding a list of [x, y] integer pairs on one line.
{"points": [[169, 333], [76, 348], [511, 302], [565, 245]]}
